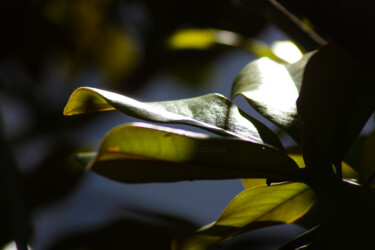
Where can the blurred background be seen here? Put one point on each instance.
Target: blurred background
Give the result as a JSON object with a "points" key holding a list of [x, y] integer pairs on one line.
{"points": [[147, 50]]}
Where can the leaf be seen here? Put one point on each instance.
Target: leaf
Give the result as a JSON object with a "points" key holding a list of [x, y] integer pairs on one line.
{"points": [[212, 112], [140, 152], [361, 156], [193, 39], [251, 209], [115, 53], [251, 182], [336, 99], [348, 173], [271, 89]]}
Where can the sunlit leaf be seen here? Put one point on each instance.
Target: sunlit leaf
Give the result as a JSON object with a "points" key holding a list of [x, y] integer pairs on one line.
{"points": [[287, 50], [271, 89], [336, 99], [212, 112], [251, 209], [147, 153]]}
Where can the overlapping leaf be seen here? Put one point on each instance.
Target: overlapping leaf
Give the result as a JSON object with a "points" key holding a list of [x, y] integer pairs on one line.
{"points": [[141, 152], [272, 89], [212, 112], [251, 209], [253, 182], [347, 173], [336, 99]]}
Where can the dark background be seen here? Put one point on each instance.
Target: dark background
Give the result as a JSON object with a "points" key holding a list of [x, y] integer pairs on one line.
{"points": [[49, 48]]}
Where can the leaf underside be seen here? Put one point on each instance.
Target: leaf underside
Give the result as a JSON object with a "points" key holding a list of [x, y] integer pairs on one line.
{"points": [[141, 152], [212, 112]]}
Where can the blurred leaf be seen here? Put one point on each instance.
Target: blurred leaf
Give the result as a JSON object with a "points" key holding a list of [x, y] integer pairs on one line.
{"points": [[147, 153], [336, 99], [115, 54], [192, 39], [55, 178], [251, 209], [270, 88], [129, 233], [212, 112], [251, 182], [203, 39]]}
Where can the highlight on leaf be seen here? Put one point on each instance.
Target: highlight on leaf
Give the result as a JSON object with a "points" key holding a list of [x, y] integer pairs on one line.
{"points": [[273, 95], [212, 112], [164, 154]]}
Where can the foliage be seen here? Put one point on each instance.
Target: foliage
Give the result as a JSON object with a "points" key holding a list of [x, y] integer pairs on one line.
{"points": [[322, 101]]}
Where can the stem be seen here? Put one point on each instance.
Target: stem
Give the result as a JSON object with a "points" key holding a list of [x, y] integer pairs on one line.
{"points": [[289, 23], [12, 192]]}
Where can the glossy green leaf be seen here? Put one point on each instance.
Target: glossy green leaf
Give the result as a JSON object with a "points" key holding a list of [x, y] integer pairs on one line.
{"points": [[336, 99], [142, 152], [212, 112], [271, 89], [251, 209]]}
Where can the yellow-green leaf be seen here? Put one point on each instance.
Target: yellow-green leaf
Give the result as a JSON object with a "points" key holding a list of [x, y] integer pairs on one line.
{"points": [[147, 153], [253, 208]]}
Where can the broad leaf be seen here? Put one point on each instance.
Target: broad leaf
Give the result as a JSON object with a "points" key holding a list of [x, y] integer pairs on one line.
{"points": [[212, 112], [336, 99], [142, 152], [251, 209], [271, 89]]}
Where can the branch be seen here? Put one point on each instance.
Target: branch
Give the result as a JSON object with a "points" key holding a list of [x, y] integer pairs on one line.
{"points": [[289, 23]]}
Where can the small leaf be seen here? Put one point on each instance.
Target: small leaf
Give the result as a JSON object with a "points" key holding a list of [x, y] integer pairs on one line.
{"points": [[192, 39], [271, 89], [336, 99], [142, 152], [212, 112], [251, 209]]}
